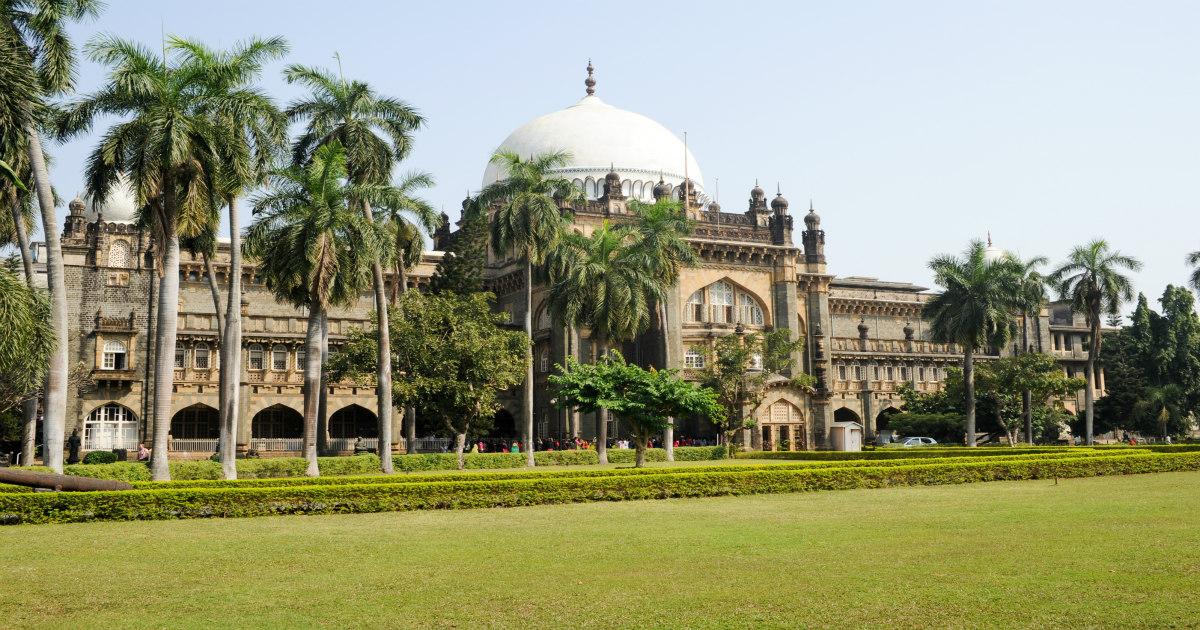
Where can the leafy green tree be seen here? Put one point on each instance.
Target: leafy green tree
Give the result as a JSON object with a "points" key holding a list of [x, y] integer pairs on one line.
{"points": [[1163, 411], [314, 251], [1193, 260], [527, 220], [1125, 382], [375, 132], [15, 228], [167, 144], [946, 428], [1092, 279], [664, 227], [39, 63], [974, 310], [1007, 380], [644, 399], [454, 353], [460, 271], [742, 367], [596, 282], [27, 342], [251, 132]]}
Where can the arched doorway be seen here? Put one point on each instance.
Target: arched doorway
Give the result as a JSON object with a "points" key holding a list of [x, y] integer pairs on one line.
{"points": [[504, 425], [881, 421], [846, 414], [110, 426], [197, 422], [783, 427], [277, 422], [353, 421]]}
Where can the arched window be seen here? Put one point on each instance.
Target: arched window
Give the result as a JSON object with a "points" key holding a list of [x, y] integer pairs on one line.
{"points": [[750, 313], [720, 295], [201, 356], [115, 356], [108, 427], [180, 356], [118, 254], [256, 356], [694, 359], [279, 357], [301, 358], [545, 360], [543, 320], [695, 307]]}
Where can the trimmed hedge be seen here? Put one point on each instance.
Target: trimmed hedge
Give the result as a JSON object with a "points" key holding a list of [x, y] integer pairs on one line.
{"points": [[906, 453], [46, 507], [563, 474]]}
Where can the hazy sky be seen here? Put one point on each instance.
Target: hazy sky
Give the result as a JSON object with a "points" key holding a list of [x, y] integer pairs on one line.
{"points": [[914, 126]]}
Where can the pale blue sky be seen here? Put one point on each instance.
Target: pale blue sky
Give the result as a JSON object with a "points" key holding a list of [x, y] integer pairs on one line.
{"points": [[915, 126]]}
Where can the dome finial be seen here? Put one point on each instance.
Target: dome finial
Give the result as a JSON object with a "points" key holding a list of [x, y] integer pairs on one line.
{"points": [[590, 82], [989, 233]]}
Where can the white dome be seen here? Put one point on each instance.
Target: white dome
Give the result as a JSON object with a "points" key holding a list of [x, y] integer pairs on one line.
{"points": [[120, 206], [991, 253], [601, 138]]}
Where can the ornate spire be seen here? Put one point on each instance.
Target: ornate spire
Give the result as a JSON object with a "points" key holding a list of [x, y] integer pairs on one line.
{"points": [[590, 82], [989, 232]]}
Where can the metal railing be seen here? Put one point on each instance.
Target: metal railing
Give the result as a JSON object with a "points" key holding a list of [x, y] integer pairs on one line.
{"points": [[194, 445], [277, 444], [347, 444]]}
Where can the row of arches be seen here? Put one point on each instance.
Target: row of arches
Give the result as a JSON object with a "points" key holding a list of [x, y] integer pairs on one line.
{"points": [[846, 414], [113, 425]]}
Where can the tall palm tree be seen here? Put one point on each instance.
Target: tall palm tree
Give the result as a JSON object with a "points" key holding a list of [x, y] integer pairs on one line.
{"points": [[252, 133], [1193, 260], [1164, 406], [36, 31], [314, 250], [601, 282], [376, 132], [664, 227], [528, 221], [1031, 299], [168, 145], [1091, 278], [974, 310]]}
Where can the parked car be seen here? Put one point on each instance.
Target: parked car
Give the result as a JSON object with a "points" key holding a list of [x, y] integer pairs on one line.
{"points": [[918, 441]]}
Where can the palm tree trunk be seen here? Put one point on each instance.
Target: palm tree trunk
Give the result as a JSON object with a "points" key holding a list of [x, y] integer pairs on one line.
{"points": [[410, 413], [312, 386], [669, 432], [164, 343], [969, 379], [231, 348], [383, 376], [29, 407], [216, 294], [527, 408], [54, 415], [602, 414], [1089, 398]]}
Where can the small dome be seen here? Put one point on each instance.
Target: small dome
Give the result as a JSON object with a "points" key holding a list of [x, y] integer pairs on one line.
{"points": [[812, 219], [77, 206], [714, 207], [661, 189], [779, 204], [613, 178], [757, 192], [120, 204], [466, 203], [991, 253]]}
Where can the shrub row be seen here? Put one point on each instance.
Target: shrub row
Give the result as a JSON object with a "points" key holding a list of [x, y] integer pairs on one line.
{"points": [[562, 474], [237, 502], [907, 453]]}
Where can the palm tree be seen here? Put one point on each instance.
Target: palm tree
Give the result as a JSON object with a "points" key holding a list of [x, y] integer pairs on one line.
{"points": [[1193, 260], [664, 227], [528, 222], [168, 145], [1164, 406], [376, 132], [252, 132], [314, 250], [1031, 299], [1091, 278], [601, 282], [43, 55], [974, 310]]}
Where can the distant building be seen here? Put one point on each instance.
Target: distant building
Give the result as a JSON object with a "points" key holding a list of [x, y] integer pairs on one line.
{"points": [[863, 337]]}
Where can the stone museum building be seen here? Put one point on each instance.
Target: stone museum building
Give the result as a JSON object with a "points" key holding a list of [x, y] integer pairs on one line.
{"points": [[763, 266]]}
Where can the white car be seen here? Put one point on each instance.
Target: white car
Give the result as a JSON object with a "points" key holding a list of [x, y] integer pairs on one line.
{"points": [[918, 441]]}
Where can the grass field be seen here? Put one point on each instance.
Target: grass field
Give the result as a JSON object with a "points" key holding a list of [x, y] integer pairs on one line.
{"points": [[1099, 552]]}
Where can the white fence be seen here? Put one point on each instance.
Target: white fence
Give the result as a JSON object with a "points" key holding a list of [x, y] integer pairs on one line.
{"points": [[277, 444], [347, 444], [194, 445]]}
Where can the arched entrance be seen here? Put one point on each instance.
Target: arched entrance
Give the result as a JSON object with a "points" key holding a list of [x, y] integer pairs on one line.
{"points": [[110, 426], [353, 421], [504, 425], [277, 422], [846, 414], [783, 427], [881, 420], [197, 422]]}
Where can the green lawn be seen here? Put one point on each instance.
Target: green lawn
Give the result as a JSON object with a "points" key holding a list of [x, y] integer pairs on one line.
{"points": [[1105, 552]]}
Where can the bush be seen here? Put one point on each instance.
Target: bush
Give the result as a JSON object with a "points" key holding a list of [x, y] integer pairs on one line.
{"points": [[943, 427], [61, 507], [120, 471], [907, 453], [100, 457]]}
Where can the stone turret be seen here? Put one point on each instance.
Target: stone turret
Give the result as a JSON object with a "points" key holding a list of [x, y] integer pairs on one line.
{"points": [[661, 189], [780, 222], [814, 238], [758, 211]]}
